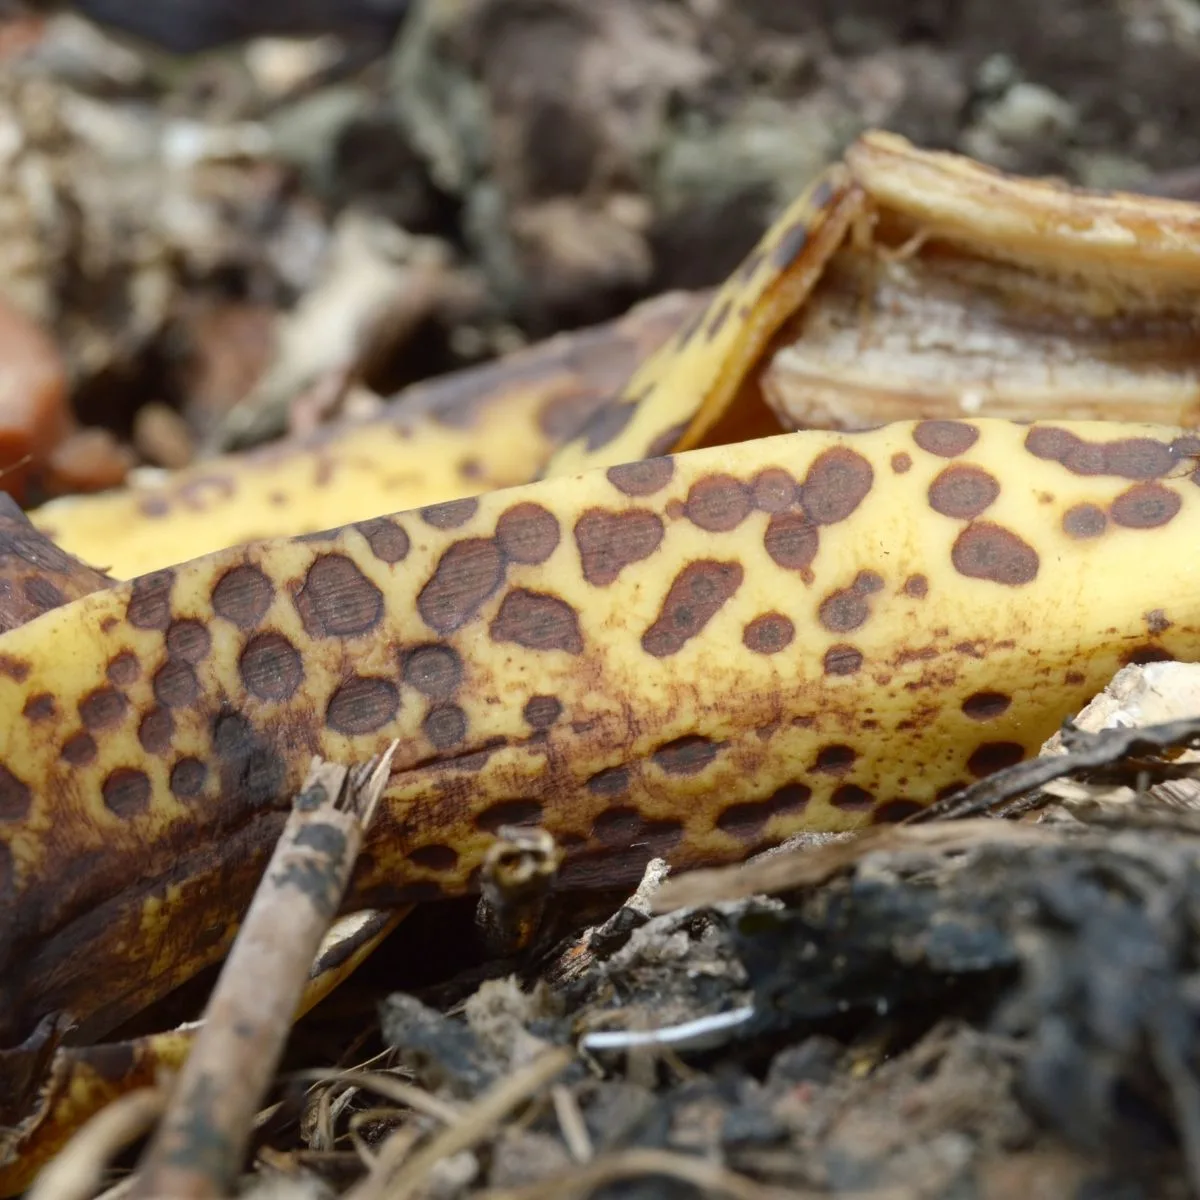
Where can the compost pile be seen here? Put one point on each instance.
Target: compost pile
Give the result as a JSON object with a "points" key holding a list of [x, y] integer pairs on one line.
{"points": [[204, 252]]}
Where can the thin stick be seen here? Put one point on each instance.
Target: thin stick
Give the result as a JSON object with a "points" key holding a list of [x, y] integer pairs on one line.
{"points": [[571, 1124], [390, 1087], [200, 1144]]}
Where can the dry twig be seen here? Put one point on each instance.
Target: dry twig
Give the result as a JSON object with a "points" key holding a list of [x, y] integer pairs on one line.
{"points": [[197, 1150], [809, 866]]}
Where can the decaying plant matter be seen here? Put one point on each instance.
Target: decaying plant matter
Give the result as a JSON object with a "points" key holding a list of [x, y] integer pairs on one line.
{"points": [[673, 639]]}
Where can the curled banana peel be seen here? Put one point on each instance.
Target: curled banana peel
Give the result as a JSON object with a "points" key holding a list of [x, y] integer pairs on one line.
{"points": [[683, 640], [902, 283], [51, 1086], [964, 292], [684, 392], [60, 1085], [35, 575], [472, 431], [884, 616]]}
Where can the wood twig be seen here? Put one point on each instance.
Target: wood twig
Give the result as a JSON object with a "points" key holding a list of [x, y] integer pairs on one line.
{"points": [[197, 1150]]}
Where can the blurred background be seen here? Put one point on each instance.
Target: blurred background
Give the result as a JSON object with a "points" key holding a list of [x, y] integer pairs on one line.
{"points": [[302, 206]]}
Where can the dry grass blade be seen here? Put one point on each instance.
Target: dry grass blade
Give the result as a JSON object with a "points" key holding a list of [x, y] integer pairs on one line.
{"points": [[77, 1169], [571, 1123], [711, 1178], [198, 1148], [475, 1123], [390, 1088], [807, 866]]}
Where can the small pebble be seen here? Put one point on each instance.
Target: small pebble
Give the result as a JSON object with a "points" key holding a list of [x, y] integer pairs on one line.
{"points": [[162, 437], [34, 414], [90, 460]]}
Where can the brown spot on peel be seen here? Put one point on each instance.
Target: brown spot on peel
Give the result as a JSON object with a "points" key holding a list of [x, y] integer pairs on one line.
{"points": [[718, 503], [156, 730], [642, 478], [445, 726], [80, 750], [388, 541], [686, 755], [434, 857], [271, 667], [774, 490], [103, 708], [363, 704], [188, 777], [466, 575], [126, 792], [509, 812], [188, 641], [14, 668], [848, 608], [607, 424], [176, 684], [527, 533], [537, 621], [150, 601], [243, 595], [852, 798], [1145, 506], [436, 671], [540, 712], [790, 246], [746, 821], [986, 706], [835, 760], [450, 514], [612, 781], [769, 634], [1126, 458], [842, 660], [15, 797], [963, 492], [994, 756], [608, 542], [1084, 521], [695, 596], [987, 551], [946, 439], [337, 599], [39, 707], [836, 484], [792, 541]]}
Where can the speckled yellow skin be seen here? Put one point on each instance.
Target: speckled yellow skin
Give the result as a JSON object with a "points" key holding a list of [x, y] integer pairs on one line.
{"points": [[682, 390], [475, 430], [500, 425], [692, 656], [689, 656]]}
